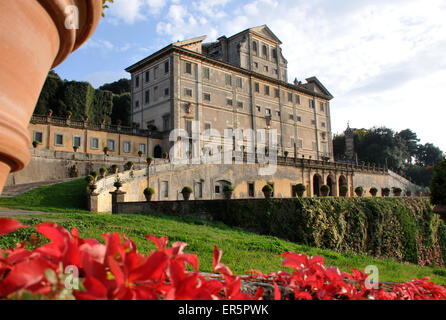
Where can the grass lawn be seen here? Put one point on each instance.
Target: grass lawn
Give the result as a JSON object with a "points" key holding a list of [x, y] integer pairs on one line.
{"points": [[241, 250]]}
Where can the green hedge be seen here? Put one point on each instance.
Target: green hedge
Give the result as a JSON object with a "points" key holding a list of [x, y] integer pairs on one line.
{"points": [[400, 228]]}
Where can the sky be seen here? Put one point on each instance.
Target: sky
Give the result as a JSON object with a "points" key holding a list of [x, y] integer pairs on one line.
{"points": [[383, 61]]}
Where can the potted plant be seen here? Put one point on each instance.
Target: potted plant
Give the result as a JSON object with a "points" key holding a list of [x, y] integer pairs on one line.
{"points": [[118, 183], [267, 191], [343, 190], [228, 191], [148, 193], [149, 161], [119, 122], [359, 191], [165, 155], [385, 192], [397, 191], [89, 179], [106, 150], [438, 190], [151, 127], [325, 190], [300, 189], [115, 168], [69, 114], [94, 174], [35, 143], [50, 113], [103, 121], [373, 191], [129, 165], [140, 153], [86, 119], [75, 148], [103, 172], [187, 191], [37, 39]]}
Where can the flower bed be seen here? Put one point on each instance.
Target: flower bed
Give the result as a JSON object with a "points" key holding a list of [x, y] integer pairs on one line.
{"points": [[117, 271]]}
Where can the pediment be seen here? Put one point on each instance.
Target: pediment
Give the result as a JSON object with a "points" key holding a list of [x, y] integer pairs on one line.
{"points": [[266, 32]]}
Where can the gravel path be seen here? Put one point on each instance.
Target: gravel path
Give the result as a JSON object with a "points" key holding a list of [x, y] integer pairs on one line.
{"points": [[16, 212], [16, 190]]}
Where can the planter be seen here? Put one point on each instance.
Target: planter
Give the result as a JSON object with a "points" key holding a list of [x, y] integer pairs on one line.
{"points": [[300, 193], [33, 40], [228, 195], [186, 196], [148, 196], [267, 194], [324, 193], [117, 185], [440, 210]]}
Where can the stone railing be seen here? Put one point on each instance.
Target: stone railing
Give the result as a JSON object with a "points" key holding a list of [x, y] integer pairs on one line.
{"points": [[65, 122]]}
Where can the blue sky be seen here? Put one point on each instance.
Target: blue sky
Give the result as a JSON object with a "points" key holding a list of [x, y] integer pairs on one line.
{"points": [[384, 61]]}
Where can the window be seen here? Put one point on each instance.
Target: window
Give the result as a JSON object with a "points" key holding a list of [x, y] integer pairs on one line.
{"points": [[300, 143], [58, 140], [324, 135], [275, 54], [207, 126], [166, 67], [276, 93], [137, 81], [278, 113], [322, 107], [126, 146], [228, 80], [166, 92], [166, 122], [259, 108], [155, 93], [206, 73], [111, 144], [142, 148], [298, 118], [239, 83], [290, 97], [94, 143], [229, 102], [298, 98], [256, 65], [38, 136], [217, 189], [147, 76], [188, 68], [188, 92], [311, 103], [268, 111], [136, 104], [255, 48], [265, 51], [251, 190], [165, 189], [291, 117], [200, 189], [323, 125], [240, 104], [257, 87], [313, 122], [76, 141], [155, 72], [147, 97], [207, 96], [314, 146], [266, 68], [267, 90], [276, 72]]}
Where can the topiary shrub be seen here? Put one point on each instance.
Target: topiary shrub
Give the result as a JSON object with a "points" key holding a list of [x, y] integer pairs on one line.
{"points": [[343, 190], [187, 191], [359, 191], [300, 189], [385, 192], [397, 191], [129, 165], [89, 179], [325, 190], [373, 191], [103, 171], [267, 191], [228, 190], [94, 174], [149, 160], [148, 193]]}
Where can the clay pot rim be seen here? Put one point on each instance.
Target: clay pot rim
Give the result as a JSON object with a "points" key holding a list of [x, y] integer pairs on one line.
{"points": [[90, 13]]}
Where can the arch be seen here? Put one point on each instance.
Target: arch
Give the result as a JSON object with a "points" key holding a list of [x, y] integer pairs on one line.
{"points": [[218, 188], [342, 182], [157, 152], [317, 183], [331, 182]]}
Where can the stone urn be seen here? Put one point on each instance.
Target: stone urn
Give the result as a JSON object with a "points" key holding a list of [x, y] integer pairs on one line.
{"points": [[34, 38]]}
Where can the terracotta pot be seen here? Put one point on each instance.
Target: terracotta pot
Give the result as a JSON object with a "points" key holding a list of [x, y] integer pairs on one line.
{"points": [[267, 194], [186, 196], [33, 40], [148, 196], [228, 195]]}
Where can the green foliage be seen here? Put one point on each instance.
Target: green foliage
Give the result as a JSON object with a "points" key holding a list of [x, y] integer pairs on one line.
{"points": [[268, 188], [438, 184], [359, 191], [381, 227], [300, 188], [325, 188], [118, 87], [187, 190], [149, 159], [386, 192], [373, 191], [89, 178], [228, 188], [149, 191], [103, 170]]}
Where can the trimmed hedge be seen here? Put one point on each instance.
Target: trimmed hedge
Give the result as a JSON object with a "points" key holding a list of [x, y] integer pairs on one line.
{"points": [[404, 229]]}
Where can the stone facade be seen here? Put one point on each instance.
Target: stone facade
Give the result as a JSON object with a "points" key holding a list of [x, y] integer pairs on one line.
{"points": [[235, 83]]}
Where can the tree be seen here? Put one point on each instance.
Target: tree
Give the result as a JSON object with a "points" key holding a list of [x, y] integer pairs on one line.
{"points": [[411, 141], [118, 87], [122, 109], [428, 155]]}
